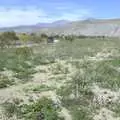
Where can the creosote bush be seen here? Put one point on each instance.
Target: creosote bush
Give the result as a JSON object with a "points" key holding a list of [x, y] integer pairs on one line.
{"points": [[43, 109]]}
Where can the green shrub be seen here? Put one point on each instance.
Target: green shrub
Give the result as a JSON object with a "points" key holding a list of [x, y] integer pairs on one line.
{"points": [[24, 52], [34, 110], [25, 75], [81, 113], [59, 68], [43, 59], [5, 81], [116, 109], [44, 106], [11, 109], [20, 66], [106, 76]]}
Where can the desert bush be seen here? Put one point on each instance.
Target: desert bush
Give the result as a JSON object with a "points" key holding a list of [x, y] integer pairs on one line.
{"points": [[77, 95], [5, 81], [11, 109], [21, 69], [106, 76], [115, 108], [7, 39], [42, 108], [43, 60], [25, 75], [4, 56], [81, 113], [17, 101], [59, 68], [24, 52], [21, 66]]}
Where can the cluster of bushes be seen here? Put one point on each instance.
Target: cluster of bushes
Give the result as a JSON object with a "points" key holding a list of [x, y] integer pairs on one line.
{"points": [[32, 38], [43, 109], [7, 39], [78, 96], [19, 62], [21, 68], [72, 37], [12, 38]]}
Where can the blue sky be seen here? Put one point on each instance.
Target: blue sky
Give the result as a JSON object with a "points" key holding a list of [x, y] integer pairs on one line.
{"points": [[27, 12]]}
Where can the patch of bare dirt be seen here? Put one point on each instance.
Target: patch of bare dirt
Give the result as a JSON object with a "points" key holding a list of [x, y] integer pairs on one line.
{"points": [[105, 114], [105, 96]]}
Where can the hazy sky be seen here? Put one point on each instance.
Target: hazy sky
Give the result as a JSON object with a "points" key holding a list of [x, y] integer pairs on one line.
{"points": [[26, 12]]}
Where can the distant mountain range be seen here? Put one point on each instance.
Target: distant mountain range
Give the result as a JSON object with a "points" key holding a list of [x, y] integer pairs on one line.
{"points": [[58, 23], [36, 27], [90, 26]]}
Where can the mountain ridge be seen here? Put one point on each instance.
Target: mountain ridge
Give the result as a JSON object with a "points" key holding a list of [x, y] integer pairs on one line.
{"points": [[29, 28], [107, 27]]}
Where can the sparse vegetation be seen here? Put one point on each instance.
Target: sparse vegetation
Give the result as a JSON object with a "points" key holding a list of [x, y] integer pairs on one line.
{"points": [[38, 88], [41, 109], [80, 74]]}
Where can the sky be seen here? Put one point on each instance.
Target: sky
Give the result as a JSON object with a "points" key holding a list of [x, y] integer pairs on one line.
{"points": [[29, 12]]}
